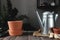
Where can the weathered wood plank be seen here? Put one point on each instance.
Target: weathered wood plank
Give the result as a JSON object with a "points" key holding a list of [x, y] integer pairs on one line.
{"points": [[13, 38], [47, 38], [7, 38], [21, 38], [29, 37], [33, 38], [1, 38]]}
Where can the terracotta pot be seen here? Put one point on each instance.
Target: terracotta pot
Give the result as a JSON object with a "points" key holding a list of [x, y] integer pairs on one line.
{"points": [[15, 33], [15, 25], [15, 28], [56, 30]]}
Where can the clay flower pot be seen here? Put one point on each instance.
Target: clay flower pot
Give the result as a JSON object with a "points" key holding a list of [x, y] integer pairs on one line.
{"points": [[15, 27], [56, 30], [15, 24]]}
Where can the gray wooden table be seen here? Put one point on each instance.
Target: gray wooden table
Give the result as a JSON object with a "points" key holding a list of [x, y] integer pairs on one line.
{"points": [[28, 37]]}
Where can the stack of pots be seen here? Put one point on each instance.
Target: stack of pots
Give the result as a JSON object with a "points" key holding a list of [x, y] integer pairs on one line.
{"points": [[15, 28]]}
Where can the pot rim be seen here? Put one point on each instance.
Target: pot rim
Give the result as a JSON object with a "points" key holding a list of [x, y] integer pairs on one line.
{"points": [[16, 21]]}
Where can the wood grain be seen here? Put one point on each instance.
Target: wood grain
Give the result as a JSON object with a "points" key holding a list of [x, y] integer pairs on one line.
{"points": [[28, 37]]}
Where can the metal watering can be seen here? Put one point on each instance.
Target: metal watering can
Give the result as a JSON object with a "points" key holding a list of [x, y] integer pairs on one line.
{"points": [[47, 21]]}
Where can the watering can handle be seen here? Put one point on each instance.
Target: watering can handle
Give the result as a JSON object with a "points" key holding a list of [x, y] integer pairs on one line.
{"points": [[56, 16]]}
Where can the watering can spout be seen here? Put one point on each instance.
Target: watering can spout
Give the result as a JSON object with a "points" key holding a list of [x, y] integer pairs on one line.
{"points": [[39, 19]]}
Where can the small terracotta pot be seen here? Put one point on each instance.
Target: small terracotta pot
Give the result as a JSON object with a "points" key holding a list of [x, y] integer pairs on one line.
{"points": [[56, 30], [15, 28], [15, 25]]}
